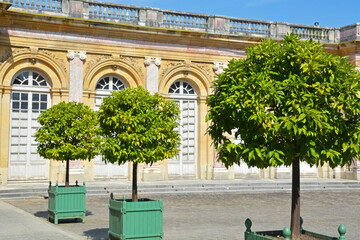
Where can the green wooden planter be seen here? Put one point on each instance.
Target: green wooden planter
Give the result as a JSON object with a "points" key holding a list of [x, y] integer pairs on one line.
{"points": [[135, 220], [66, 202], [268, 235]]}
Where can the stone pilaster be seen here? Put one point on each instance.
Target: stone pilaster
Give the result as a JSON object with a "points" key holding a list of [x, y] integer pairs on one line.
{"points": [[4, 133], [152, 73], [219, 169], [76, 61], [156, 171]]}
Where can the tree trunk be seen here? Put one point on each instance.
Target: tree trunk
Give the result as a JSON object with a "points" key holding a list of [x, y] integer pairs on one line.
{"points": [[134, 183], [295, 200], [67, 174]]}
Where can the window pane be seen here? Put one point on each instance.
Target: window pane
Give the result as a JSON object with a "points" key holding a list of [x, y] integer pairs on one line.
{"points": [[43, 97], [43, 106], [26, 75], [35, 106], [15, 105], [16, 81], [24, 96], [16, 96], [35, 97], [24, 105], [35, 76]]}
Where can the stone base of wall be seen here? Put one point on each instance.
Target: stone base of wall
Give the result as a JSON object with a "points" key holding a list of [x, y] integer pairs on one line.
{"points": [[268, 173], [223, 174], [3, 176], [308, 175], [154, 173], [353, 174]]}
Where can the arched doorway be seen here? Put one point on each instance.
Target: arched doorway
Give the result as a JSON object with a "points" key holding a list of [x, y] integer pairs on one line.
{"points": [[186, 161], [104, 87], [29, 97]]}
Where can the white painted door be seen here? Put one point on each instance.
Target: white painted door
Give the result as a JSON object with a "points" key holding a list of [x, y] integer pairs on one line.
{"points": [[24, 161], [185, 162], [102, 170]]}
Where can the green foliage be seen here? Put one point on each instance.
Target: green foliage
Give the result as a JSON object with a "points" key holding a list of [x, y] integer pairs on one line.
{"points": [[287, 100], [139, 127], [68, 132]]}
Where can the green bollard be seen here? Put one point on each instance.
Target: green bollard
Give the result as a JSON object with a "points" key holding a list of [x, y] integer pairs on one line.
{"points": [[248, 225], [342, 231], [286, 233]]}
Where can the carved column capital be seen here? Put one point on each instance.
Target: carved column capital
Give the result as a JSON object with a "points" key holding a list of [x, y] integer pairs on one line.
{"points": [[155, 60], [80, 54], [218, 67]]}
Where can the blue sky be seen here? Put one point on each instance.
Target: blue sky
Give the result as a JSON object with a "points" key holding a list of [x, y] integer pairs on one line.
{"points": [[332, 13]]}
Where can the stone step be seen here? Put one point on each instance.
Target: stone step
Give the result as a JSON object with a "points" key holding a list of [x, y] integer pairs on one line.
{"points": [[105, 188]]}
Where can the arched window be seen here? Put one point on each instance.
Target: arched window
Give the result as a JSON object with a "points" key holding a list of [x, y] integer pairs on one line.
{"points": [[30, 78], [185, 95], [110, 83], [181, 87], [29, 97]]}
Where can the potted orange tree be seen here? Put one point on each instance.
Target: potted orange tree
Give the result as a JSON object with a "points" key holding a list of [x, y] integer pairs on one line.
{"points": [[138, 127], [68, 132], [287, 102]]}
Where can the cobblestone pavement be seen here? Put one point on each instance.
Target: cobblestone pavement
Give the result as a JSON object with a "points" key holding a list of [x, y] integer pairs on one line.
{"points": [[221, 216]]}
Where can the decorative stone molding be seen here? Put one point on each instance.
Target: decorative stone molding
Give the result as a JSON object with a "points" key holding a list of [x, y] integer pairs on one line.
{"points": [[188, 69], [155, 60], [5, 56], [18, 51], [96, 60], [33, 61], [80, 54], [167, 67], [206, 69], [61, 61], [136, 63], [187, 64], [8, 54]]}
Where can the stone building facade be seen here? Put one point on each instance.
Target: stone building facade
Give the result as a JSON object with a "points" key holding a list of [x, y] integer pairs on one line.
{"points": [[67, 50]]}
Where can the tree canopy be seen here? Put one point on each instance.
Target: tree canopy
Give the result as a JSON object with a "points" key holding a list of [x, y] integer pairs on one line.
{"points": [[287, 100], [138, 127], [68, 132]]}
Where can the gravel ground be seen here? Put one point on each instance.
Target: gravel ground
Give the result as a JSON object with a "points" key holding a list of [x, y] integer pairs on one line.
{"points": [[222, 215]]}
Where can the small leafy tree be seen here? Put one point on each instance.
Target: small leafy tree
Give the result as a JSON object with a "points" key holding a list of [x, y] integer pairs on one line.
{"points": [[138, 127], [287, 102], [68, 132]]}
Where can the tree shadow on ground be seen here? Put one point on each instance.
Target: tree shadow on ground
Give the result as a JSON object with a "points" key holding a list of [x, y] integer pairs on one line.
{"points": [[97, 233], [44, 214]]}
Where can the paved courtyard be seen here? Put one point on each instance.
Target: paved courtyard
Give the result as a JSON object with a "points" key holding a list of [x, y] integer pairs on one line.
{"points": [[221, 215]]}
